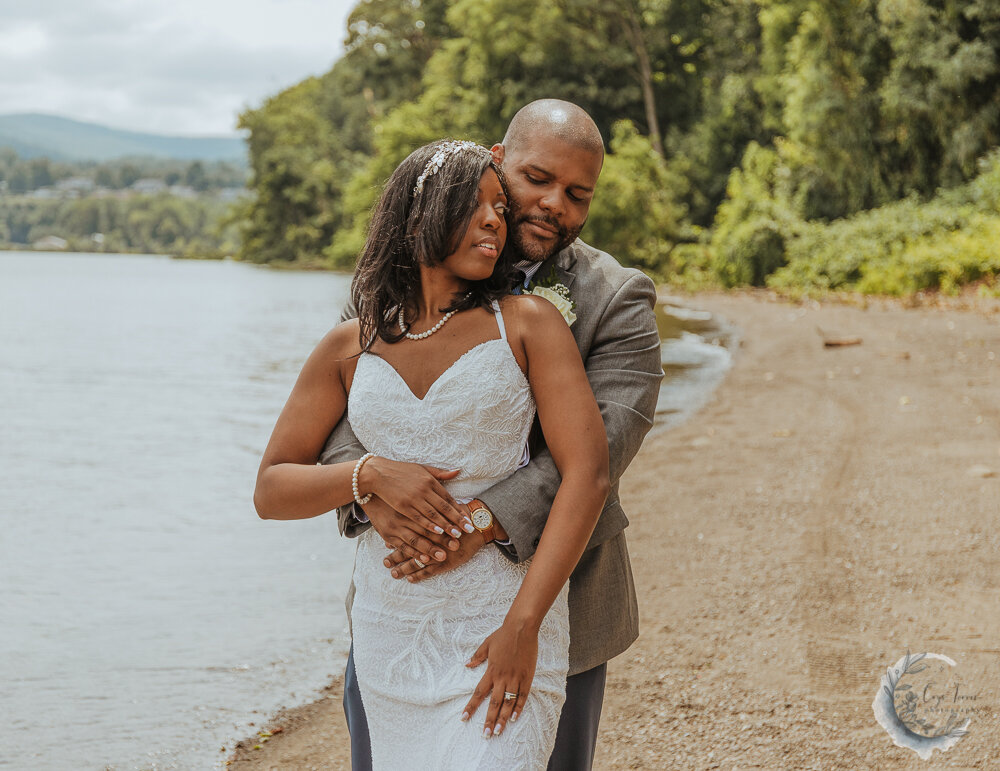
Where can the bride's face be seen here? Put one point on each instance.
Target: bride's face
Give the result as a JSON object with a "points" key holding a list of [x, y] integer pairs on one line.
{"points": [[485, 236]]}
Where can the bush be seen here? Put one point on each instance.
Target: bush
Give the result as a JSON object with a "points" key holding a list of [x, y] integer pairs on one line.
{"points": [[753, 250], [944, 261], [690, 267], [756, 222], [906, 246]]}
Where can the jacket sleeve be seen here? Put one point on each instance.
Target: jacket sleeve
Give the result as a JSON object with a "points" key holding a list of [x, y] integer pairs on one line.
{"points": [[343, 445], [624, 370]]}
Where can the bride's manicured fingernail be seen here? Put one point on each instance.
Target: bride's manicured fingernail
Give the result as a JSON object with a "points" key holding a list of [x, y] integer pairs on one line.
{"points": [[468, 527], [438, 529], [456, 532], [513, 718], [465, 716], [498, 729], [487, 732]]}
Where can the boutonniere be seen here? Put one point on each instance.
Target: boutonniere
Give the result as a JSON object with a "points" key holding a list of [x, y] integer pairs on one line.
{"points": [[556, 293]]}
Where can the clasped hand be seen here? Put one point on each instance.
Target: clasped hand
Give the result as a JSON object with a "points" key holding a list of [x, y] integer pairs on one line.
{"points": [[413, 512]]}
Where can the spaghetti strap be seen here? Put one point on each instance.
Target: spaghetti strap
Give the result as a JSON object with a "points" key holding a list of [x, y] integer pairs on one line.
{"points": [[499, 317]]}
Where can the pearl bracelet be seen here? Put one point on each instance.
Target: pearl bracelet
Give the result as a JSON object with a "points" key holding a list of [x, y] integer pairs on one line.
{"points": [[354, 479]]}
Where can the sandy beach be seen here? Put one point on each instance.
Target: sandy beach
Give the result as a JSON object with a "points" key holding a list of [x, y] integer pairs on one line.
{"points": [[828, 510]]}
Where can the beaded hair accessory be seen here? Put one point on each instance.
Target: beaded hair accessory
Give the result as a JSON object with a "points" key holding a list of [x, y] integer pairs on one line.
{"points": [[437, 160]]}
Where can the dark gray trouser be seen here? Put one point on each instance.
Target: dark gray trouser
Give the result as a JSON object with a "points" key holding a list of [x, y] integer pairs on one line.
{"points": [[576, 738]]}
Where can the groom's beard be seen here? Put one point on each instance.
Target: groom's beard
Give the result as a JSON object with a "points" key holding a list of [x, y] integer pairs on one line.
{"points": [[529, 249]]}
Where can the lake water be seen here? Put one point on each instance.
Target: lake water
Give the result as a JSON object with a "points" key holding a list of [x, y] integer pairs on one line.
{"points": [[146, 611], [147, 616]]}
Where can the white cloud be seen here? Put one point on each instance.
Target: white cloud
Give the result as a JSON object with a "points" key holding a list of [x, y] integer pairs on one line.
{"points": [[168, 66], [23, 40]]}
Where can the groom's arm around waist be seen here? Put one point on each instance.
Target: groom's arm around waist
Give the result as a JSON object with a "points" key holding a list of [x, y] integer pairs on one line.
{"points": [[624, 370], [343, 445]]}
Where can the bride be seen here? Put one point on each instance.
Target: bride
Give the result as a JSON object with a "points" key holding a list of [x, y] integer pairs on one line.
{"points": [[441, 375]]}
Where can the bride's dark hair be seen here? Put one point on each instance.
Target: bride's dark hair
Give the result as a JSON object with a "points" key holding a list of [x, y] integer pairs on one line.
{"points": [[411, 228]]}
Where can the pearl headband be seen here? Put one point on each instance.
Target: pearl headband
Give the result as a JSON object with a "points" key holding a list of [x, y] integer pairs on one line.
{"points": [[437, 160]]}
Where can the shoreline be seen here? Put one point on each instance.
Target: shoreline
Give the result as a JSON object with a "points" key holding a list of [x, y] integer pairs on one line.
{"points": [[826, 510]]}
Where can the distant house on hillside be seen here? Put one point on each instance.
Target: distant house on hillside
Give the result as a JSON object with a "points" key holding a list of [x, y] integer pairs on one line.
{"points": [[50, 244], [232, 193], [75, 186], [149, 185], [183, 191]]}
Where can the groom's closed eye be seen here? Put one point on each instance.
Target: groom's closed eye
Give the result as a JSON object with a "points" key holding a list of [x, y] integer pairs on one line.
{"points": [[538, 181]]}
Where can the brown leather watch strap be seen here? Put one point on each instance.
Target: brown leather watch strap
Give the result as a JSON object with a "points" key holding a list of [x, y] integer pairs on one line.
{"points": [[489, 532]]}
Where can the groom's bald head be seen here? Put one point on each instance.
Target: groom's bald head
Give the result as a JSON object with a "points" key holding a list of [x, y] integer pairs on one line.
{"points": [[552, 155], [557, 119]]}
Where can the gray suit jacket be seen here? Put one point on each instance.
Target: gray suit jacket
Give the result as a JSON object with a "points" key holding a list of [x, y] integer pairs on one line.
{"points": [[615, 330]]}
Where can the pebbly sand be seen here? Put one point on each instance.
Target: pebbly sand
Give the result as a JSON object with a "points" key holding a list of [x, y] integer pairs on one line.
{"points": [[828, 510]]}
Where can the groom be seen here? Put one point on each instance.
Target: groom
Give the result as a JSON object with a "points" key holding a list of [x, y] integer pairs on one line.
{"points": [[552, 155]]}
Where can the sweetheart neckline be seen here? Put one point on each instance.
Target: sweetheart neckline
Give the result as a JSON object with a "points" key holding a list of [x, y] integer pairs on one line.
{"points": [[448, 369]]}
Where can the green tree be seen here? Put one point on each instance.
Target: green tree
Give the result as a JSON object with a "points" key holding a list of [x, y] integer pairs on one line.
{"points": [[40, 172], [309, 141], [941, 95], [128, 174], [636, 214], [19, 180], [834, 64], [195, 176]]}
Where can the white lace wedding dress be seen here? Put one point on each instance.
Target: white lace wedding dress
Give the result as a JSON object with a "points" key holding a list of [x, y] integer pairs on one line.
{"points": [[412, 641]]}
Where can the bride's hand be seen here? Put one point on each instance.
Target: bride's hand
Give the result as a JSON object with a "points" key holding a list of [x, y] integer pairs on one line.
{"points": [[398, 532], [511, 653], [416, 492]]}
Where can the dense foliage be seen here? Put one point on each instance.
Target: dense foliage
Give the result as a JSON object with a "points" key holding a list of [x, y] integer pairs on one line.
{"points": [[787, 142], [146, 224], [23, 175]]}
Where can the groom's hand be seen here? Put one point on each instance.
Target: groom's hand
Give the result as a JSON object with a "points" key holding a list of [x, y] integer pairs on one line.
{"points": [[400, 532], [403, 566]]}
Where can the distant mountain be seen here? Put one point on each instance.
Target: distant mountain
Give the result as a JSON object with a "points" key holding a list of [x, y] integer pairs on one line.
{"points": [[32, 135]]}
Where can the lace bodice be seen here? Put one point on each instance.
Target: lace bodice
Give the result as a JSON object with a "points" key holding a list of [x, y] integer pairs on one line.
{"points": [[475, 417]]}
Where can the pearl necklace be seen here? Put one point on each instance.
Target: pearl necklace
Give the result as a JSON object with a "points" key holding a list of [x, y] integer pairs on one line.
{"points": [[429, 332]]}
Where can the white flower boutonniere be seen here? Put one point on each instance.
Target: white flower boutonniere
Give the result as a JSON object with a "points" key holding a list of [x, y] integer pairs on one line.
{"points": [[556, 293]]}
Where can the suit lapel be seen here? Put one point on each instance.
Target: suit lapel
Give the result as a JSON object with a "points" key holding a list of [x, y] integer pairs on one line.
{"points": [[564, 262]]}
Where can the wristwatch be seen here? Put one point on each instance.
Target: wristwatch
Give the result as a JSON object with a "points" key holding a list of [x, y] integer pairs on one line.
{"points": [[482, 519]]}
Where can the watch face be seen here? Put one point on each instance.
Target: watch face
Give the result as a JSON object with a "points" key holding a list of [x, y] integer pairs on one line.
{"points": [[482, 518]]}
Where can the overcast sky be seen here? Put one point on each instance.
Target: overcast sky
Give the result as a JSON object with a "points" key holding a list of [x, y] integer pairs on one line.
{"points": [[163, 66]]}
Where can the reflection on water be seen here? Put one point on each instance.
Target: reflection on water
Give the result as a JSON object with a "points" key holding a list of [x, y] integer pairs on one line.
{"points": [[696, 352]]}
